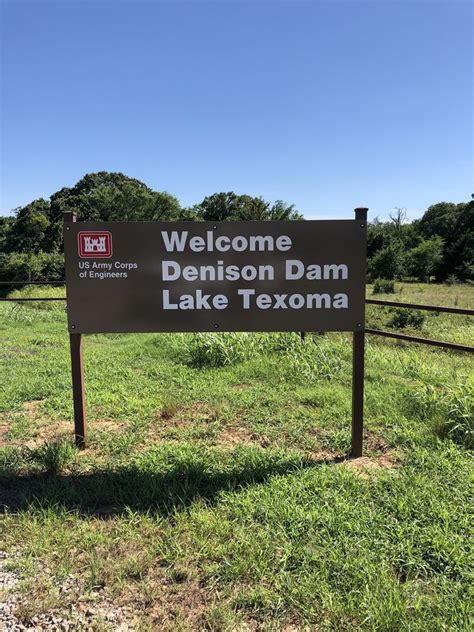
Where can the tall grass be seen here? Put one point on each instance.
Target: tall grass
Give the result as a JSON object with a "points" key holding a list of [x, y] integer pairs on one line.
{"points": [[55, 456], [39, 292], [315, 356], [31, 311], [450, 410]]}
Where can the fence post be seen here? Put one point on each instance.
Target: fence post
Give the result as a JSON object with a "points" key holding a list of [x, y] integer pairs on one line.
{"points": [[358, 352], [77, 371]]}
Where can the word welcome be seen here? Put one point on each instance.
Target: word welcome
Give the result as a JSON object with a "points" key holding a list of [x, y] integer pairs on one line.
{"points": [[176, 241]]}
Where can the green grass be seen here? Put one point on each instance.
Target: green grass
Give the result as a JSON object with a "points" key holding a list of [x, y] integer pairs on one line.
{"points": [[214, 492], [436, 325]]}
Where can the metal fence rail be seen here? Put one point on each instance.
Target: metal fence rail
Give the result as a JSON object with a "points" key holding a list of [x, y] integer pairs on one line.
{"points": [[22, 283], [46, 298], [430, 308], [425, 341], [54, 282], [416, 339]]}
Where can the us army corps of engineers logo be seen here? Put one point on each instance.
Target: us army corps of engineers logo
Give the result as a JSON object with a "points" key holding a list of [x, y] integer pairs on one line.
{"points": [[95, 244]]}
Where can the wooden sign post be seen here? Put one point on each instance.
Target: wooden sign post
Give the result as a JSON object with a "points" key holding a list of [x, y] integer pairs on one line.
{"points": [[358, 361], [77, 366]]}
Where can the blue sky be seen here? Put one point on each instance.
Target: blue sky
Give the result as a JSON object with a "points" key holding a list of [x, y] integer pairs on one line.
{"points": [[327, 105]]}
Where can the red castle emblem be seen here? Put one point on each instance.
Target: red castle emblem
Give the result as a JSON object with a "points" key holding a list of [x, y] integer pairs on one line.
{"points": [[95, 244]]}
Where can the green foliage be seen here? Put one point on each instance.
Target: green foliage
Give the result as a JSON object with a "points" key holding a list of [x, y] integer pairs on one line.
{"points": [[459, 252], [387, 263], [12, 460], [452, 280], [5, 227], [43, 291], [440, 220], [296, 359], [458, 421], [37, 228], [424, 259], [32, 312], [218, 349], [383, 286], [56, 456], [29, 231], [105, 196], [32, 241], [450, 410], [226, 349], [403, 318], [441, 243], [282, 211], [24, 266], [232, 207], [310, 360]]}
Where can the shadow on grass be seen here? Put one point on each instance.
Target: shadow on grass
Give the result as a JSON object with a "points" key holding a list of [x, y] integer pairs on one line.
{"points": [[108, 492]]}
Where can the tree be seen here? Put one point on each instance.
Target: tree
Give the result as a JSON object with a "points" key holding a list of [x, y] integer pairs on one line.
{"points": [[252, 208], [27, 266], [378, 237], [440, 219], [221, 207], [28, 231], [283, 211], [387, 263], [424, 259], [32, 241], [107, 196], [398, 219], [386, 243], [6, 224], [97, 197], [454, 224], [459, 257], [232, 207]]}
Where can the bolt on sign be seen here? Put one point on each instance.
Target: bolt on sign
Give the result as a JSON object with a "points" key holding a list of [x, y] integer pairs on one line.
{"points": [[223, 276]]}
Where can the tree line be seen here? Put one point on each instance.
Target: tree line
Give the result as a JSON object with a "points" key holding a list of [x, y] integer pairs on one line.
{"points": [[440, 245]]}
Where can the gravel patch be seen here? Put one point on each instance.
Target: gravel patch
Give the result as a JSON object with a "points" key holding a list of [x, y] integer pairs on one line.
{"points": [[83, 615]]}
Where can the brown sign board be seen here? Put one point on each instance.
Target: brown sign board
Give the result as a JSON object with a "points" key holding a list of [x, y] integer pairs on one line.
{"points": [[215, 276]]}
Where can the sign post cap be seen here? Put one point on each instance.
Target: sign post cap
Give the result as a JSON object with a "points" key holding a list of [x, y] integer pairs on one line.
{"points": [[361, 212]]}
